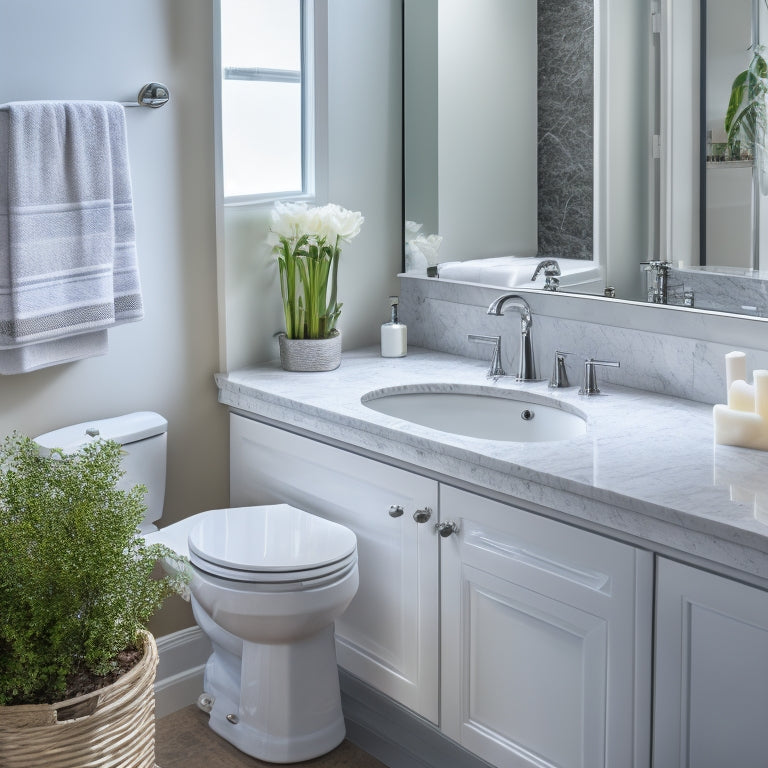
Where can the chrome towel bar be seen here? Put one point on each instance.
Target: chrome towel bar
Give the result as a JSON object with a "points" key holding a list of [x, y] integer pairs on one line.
{"points": [[152, 95]]}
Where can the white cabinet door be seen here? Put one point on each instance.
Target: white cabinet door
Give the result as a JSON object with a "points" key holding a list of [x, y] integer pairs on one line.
{"points": [[711, 681], [388, 636], [546, 640]]}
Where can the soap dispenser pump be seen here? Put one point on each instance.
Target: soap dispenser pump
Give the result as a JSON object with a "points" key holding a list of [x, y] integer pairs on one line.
{"points": [[394, 334]]}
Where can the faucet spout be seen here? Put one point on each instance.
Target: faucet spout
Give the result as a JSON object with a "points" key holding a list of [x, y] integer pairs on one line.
{"points": [[526, 370], [497, 306]]}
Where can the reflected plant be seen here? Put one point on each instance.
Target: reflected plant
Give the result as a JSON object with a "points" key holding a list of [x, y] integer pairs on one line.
{"points": [[747, 116]]}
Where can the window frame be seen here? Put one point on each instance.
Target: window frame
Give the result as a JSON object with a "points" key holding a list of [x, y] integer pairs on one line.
{"points": [[314, 129]]}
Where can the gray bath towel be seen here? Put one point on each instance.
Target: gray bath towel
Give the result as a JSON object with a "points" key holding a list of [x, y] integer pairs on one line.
{"points": [[67, 239]]}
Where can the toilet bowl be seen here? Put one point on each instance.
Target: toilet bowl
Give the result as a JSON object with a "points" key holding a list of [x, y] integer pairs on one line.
{"points": [[267, 584]]}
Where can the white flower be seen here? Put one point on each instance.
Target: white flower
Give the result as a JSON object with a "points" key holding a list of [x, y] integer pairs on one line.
{"points": [[289, 220], [332, 221], [327, 222], [411, 230], [428, 247]]}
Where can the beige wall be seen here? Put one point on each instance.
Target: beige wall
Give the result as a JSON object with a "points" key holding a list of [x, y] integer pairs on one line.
{"points": [[91, 49]]}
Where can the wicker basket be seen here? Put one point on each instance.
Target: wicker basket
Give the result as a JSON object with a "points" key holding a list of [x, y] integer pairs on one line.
{"points": [[113, 727], [310, 354]]}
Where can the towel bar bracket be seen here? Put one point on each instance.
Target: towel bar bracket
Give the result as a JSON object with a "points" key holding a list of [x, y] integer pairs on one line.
{"points": [[152, 95]]}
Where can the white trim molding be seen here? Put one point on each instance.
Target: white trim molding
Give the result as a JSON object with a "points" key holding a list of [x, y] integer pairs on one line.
{"points": [[179, 679]]}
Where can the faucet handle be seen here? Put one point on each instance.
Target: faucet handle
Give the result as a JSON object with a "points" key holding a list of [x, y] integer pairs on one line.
{"points": [[589, 387], [495, 370], [559, 374]]}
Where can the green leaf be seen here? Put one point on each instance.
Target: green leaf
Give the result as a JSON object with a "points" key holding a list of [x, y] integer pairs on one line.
{"points": [[738, 91]]}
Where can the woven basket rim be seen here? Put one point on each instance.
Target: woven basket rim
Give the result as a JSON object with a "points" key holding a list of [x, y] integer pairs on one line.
{"points": [[139, 669], [118, 732], [149, 658]]}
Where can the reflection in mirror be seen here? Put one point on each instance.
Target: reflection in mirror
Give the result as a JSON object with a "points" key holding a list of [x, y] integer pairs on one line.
{"points": [[712, 204], [497, 113], [499, 103], [733, 73]]}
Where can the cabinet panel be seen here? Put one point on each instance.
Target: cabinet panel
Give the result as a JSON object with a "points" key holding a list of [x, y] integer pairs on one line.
{"points": [[389, 634], [545, 639], [535, 671], [711, 694]]}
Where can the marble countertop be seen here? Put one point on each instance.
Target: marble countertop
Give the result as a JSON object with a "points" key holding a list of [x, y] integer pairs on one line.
{"points": [[647, 468]]}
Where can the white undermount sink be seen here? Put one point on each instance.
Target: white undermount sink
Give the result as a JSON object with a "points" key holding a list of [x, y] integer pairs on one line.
{"points": [[490, 415]]}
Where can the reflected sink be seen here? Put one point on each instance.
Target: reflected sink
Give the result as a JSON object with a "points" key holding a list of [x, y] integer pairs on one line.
{"points": [[490, 415]]}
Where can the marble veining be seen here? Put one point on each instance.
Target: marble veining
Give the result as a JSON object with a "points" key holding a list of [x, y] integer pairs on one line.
{"points": [[715, 289], [647, 467], [565, 91]]}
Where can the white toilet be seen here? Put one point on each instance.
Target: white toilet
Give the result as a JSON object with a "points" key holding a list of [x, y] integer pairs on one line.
{"points": [[267, 584]]}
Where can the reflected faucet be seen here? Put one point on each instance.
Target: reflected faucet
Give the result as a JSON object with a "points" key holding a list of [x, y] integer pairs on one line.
{"points": [[659, 292], [526, 369], [551, 272]]}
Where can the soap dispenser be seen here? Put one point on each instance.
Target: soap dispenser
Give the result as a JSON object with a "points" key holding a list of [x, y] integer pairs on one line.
{"points": [[394, 334]]}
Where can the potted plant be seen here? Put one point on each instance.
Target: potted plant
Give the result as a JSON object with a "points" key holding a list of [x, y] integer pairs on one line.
{"points": [[747, 117], [77, 665], [307, 242]]}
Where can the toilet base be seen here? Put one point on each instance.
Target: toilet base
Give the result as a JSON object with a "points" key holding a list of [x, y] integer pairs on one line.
{"points": [[277, 702]]}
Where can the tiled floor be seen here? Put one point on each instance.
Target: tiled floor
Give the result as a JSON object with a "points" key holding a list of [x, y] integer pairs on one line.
{"points": [[184, 740]]}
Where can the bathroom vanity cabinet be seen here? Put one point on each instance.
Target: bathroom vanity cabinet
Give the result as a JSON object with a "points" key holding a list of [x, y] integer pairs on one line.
{"points": [[711, 684], [541, 637], [587, 609]]}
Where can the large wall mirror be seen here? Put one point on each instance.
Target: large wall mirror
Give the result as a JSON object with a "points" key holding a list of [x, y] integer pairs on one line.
{"points": [[537, 130]]}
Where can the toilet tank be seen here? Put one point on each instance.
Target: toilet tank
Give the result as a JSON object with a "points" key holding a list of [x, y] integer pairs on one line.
{"points": [[143, 436]]}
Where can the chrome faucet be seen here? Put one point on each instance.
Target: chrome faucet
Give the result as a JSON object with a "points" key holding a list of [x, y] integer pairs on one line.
{"points": [[495, 368], [551, 273], [589, 387], [659, 292], [526, 369]]}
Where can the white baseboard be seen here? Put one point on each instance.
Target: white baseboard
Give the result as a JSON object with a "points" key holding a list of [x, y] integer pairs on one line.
{"points": [[179, 679], [395, 735]]}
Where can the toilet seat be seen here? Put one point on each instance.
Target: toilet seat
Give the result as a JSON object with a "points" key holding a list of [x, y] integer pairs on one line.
{"points": [[270, 545]]}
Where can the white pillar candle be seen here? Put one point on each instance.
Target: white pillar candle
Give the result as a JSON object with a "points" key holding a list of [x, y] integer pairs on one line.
{"points": [[737, 428], [760, 379], [735, 368], [741, 396]]}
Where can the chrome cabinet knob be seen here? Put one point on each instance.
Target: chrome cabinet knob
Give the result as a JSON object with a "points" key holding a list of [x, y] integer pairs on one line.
{"points": [[422, 515], [396, 510], [446, 529]]}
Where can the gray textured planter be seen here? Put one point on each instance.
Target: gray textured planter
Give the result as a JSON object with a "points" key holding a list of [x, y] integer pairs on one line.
{"points": [[310, 354]]}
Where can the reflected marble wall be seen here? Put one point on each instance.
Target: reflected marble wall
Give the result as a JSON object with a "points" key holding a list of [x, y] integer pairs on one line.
{"points": [[565, 133]]}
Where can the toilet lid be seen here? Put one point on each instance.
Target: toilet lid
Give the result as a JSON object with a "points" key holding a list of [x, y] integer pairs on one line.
{"points": [[277, 539]]}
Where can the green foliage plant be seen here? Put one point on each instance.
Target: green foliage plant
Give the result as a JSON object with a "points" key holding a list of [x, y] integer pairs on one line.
{"points": [[307, 243], [76, 581], [746, 118]]}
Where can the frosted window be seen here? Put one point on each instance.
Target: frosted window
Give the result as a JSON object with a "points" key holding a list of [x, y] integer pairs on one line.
{"points": [[262, 97]]}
